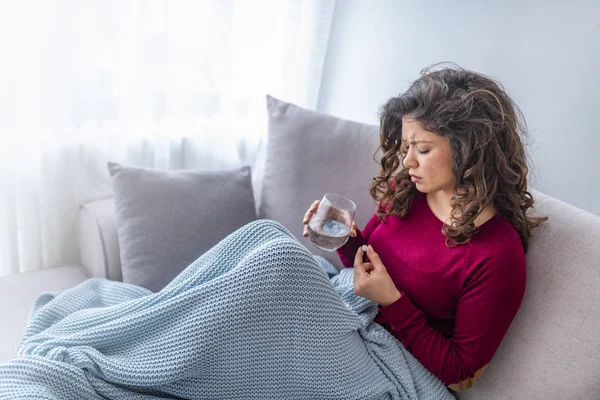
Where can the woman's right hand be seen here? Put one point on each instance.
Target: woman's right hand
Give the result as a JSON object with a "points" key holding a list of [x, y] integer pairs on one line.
{"points": [[313, 209]]}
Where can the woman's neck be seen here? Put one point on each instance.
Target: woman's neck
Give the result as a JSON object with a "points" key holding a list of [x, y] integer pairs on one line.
{"points": [[441, 206]]}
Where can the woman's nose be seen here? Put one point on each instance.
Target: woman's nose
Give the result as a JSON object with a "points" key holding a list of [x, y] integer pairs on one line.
{"points": [[409, 161]]}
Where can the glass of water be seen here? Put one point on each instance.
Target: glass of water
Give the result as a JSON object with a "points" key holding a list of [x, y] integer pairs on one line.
{"points": [[329, 227]]}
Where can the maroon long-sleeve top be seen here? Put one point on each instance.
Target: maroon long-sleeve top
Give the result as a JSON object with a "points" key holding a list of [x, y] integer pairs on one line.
{"points": [[457, 303]]}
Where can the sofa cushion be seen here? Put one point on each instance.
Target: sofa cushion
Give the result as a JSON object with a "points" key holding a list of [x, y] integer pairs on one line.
{"points": [[167, 219], [19, 292], [310, 154], [552, 349]]}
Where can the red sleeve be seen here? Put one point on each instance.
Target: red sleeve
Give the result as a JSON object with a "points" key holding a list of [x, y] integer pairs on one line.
{"points": [[487, 305], [348, 251]]}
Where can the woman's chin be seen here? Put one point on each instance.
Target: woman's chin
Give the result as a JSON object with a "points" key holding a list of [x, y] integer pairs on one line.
{"points": [[420, 187]]}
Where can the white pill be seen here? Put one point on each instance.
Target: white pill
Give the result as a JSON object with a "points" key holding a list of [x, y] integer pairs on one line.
{"points": [[364, 247]]}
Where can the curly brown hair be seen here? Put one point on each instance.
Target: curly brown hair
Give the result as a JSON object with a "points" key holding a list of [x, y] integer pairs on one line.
{"points": [[485, 129]]}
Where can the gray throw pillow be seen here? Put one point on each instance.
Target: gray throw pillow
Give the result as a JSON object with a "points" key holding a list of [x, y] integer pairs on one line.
{"points": [[310, 154], [167, 219]]}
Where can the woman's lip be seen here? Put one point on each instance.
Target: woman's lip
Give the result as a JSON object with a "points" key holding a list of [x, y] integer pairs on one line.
{"points": [[414, 178]]}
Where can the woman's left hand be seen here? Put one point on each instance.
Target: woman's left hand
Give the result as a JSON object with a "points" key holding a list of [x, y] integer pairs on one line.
{"points": [[371, 279]]}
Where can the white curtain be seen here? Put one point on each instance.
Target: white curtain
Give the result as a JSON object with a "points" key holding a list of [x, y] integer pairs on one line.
{"points": [[170, 84]]}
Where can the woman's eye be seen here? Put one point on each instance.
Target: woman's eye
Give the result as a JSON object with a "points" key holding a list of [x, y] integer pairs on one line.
{"points": [[404, 150]]}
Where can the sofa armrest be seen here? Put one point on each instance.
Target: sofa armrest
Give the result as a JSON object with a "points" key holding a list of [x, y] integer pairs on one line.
{"points": [[98, 239]]}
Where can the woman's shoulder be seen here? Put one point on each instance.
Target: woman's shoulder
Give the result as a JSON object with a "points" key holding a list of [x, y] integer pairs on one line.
{"points": [[498, 242], [500, 229]]}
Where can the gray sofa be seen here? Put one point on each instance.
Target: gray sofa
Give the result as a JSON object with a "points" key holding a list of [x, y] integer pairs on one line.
{"points": [[552, 349]]}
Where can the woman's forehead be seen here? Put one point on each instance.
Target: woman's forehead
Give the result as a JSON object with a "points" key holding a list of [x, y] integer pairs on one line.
{"points": [[413, 132]]}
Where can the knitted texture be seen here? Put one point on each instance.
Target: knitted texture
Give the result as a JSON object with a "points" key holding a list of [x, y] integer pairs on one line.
{"points": [[255, 317]]}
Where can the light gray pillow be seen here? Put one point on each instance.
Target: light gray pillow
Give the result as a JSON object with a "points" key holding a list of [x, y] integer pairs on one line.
{"points": [[310, 154], [167, 219]]}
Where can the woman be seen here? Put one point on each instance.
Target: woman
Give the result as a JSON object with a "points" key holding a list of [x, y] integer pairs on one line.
{"points": [[256, 317], [446, 248]]}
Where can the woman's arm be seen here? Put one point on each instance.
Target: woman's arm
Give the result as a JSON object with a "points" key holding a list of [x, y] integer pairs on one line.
{"points": [[486, 307]]}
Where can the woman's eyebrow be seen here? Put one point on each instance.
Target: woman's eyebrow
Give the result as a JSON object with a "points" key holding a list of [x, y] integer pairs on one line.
{"points": [[417, 141]]}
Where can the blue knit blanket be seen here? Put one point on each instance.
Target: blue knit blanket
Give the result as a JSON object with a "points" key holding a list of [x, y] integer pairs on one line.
{"points": [[255, 317]]}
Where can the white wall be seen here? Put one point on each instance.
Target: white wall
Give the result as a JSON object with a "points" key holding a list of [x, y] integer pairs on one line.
{"points": [[545, 53]]}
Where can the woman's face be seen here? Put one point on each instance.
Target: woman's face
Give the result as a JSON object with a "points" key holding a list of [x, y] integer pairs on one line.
{"points": [[429, 157]]}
